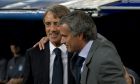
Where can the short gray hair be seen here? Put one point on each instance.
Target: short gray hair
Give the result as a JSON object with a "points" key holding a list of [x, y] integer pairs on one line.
{"points": [[80, 23]]}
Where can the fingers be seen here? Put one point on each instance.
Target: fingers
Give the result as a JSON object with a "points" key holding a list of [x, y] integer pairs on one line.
{"points": [[36, 45], [41, 43], [15, 81], [40, 46], [127, 77]]}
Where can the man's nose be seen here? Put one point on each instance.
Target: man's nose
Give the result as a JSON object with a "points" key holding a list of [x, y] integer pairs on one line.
{"points": [[62, 40], [53, 27]]}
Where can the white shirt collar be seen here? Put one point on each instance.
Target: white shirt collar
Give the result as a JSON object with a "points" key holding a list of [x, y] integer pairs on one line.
{"points": [[84, 52], [61, 47]]}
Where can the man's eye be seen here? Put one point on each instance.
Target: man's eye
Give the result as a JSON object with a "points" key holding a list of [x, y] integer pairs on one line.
{"points": [[55, 23], [47, 23]]}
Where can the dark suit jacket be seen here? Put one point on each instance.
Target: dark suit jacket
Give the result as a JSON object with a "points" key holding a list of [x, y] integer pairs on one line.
{"points": [[37, 66], [103, 64]]}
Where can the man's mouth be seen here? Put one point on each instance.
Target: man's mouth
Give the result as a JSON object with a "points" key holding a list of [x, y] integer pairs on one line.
{"points": [[54, 34]]}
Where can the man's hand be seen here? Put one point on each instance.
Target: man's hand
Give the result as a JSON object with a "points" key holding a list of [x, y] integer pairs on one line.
{"points": [[3, 82], [127, 77], [42, 42], [15, 81]]}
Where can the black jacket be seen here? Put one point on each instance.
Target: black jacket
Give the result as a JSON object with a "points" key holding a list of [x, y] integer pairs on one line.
{"points": [[37, 66]]}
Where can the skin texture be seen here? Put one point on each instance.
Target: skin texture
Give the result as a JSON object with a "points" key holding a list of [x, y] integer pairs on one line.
{"points": [[73, 43], [51, 28]]}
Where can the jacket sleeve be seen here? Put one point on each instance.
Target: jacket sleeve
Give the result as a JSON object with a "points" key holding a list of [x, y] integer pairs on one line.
{"points": [[111, 68], [27, 76]]}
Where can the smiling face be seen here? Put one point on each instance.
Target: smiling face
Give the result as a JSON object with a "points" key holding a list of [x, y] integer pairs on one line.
{"points": [[73, 43], [51, 28]]}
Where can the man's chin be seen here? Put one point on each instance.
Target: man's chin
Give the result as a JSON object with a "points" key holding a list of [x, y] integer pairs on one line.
{"points": [[55, 42]]}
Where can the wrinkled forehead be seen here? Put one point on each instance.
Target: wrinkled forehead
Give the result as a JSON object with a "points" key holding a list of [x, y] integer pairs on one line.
{"points": [[64, 28], [49, 17], [52, 14]]}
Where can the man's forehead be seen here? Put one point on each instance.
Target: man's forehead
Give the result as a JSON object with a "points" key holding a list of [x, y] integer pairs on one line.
{"points": [[64, 25], [64, 28], [51, 16]]}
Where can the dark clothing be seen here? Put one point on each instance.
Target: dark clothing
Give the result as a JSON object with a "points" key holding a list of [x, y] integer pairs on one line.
{"points": [[15, 67], [3, 65], [76, 65], [37, 66], [57, 77]]}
